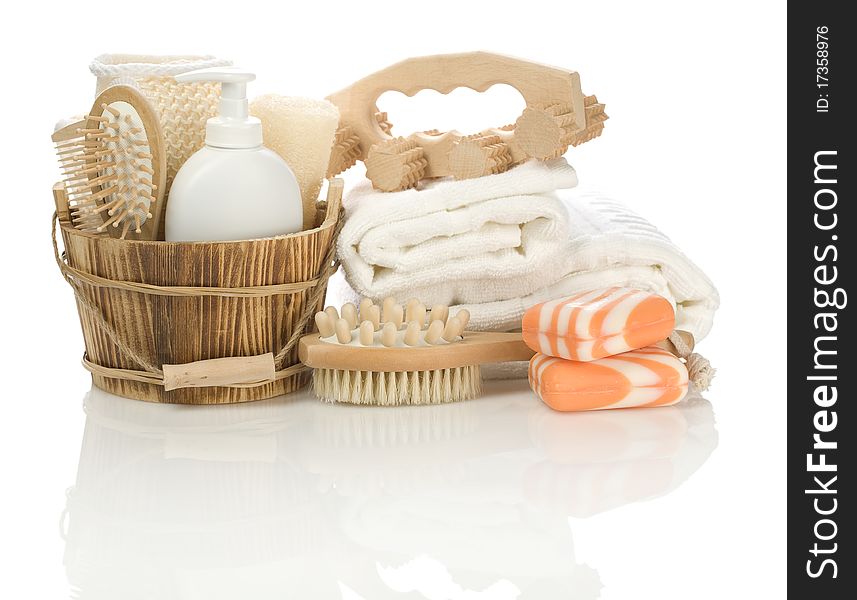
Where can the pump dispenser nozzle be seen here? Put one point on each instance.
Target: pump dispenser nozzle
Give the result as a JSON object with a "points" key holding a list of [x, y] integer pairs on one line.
{"points": [[233, 128]]}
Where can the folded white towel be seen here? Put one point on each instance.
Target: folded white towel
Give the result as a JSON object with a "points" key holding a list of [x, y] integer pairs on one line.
{"points": [[477, 240], [610, 245], [500, 244]]}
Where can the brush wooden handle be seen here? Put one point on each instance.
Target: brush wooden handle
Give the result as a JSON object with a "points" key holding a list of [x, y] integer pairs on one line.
{"points": [[69, 132], [61, 203], [477, 348]]}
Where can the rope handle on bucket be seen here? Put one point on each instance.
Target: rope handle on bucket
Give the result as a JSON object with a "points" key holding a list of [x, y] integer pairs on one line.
{"points": [[233, 372]]}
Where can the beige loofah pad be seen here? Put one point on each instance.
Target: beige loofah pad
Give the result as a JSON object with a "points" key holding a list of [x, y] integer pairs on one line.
{"points": [[301, 130]]}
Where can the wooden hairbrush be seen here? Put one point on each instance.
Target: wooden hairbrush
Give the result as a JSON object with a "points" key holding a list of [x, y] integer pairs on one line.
{"points": [[114, 166], [393, 355], [74, 202], [557, 115]]}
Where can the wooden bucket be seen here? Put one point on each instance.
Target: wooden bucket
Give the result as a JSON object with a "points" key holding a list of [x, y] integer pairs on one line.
{"points": [[200, 322]]}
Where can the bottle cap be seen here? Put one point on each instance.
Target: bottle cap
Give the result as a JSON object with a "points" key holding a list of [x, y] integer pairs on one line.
{"points": [[233, 127]]}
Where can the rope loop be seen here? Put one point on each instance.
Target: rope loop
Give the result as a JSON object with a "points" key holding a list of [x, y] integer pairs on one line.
{"points": [[699, 369]]}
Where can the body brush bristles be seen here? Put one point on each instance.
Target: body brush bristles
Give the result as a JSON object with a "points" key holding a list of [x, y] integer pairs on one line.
{"points": [[395, 389], [393, 355]]}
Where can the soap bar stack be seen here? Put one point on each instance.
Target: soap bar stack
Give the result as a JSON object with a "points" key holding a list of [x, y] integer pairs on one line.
{"points": [[595, 351]]}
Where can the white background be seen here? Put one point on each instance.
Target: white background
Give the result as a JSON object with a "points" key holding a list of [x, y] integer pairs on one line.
{"points": [[696, 142]]}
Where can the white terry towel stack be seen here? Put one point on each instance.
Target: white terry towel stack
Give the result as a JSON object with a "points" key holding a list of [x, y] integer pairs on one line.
{"points": [[497, 245], [477, 240], [610, 245]]}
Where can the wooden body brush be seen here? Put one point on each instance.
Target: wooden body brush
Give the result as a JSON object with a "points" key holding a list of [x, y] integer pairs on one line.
{"points": [[114, 166], [391, 355]]}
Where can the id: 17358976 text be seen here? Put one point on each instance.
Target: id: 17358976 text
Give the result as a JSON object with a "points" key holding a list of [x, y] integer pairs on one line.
{"points": [[822, 69]]}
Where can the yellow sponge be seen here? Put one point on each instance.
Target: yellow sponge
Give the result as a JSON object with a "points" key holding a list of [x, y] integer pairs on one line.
{"points": [[301, 130]]}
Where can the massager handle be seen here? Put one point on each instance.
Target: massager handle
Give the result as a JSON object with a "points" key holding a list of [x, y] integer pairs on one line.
{"points": [[537, 83]]}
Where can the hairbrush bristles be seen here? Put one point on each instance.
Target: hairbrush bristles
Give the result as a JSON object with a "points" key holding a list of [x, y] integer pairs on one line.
{"points": [[111, 165], [130, 197], [77, 155], [391, 355]]}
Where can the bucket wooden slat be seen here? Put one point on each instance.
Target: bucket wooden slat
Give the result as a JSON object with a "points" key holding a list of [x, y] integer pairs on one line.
{"points": [[180, 329]]}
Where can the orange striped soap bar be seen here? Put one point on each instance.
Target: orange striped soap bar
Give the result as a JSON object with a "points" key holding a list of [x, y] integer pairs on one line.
{"points": [[645, 377], [598, 323]]}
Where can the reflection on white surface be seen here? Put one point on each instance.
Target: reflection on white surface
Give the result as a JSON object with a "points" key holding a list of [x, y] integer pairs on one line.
{"points": [[293, 498]]}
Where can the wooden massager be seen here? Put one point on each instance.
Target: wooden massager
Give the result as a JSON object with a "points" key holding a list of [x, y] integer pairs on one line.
{"points": [[557, 115]]}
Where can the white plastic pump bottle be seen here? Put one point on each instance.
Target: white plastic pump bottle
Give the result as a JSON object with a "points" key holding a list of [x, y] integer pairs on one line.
{"points": [[233, 188]]}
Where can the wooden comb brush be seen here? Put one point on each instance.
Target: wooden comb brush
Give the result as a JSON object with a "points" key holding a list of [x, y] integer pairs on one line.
{"points": [[391, 355], [114, 166], [74, 203]]}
